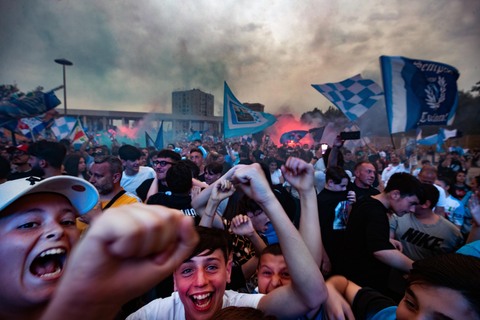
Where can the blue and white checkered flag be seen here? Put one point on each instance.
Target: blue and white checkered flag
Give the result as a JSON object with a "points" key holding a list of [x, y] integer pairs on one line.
{"points": [[353, 96], [63, 126]]}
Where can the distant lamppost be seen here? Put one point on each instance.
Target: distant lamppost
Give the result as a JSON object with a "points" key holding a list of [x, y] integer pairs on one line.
{"points": [[64, 62]]}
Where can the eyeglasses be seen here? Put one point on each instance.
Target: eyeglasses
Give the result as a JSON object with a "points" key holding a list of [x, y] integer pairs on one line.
{"points": [[98, 154], [161, 163]]}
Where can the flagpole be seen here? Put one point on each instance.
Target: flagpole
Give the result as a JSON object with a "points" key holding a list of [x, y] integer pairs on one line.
{"points": [[393, 142], [31, 133]]}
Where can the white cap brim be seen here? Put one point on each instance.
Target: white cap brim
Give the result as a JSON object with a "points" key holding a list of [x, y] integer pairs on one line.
{"points": [[81, 193]]}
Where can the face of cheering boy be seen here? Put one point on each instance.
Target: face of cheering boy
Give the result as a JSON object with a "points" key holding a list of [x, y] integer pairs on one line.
{"points": [[272, 273], [37, 233], [201, 281]]}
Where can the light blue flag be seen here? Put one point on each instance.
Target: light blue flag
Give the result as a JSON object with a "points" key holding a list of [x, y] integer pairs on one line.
{"points": [[353, 96], [159, 138], [437, 139], [63, 126], [239, 120], [418, 92]]}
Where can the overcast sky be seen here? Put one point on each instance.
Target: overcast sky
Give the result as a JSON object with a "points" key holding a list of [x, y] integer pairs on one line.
{"points": [[130, 55]]}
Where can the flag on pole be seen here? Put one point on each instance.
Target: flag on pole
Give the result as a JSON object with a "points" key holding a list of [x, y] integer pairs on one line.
{"points": [[78, 135], [293, 136], [17, 105], [149, 143], [326, 134], [239, 120], [63, 126], [31, 127], [353, 96], [159, 138], [418, 92]]}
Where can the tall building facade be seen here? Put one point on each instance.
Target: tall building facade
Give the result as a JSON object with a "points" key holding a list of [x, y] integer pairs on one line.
{"points": [[192, 102]]}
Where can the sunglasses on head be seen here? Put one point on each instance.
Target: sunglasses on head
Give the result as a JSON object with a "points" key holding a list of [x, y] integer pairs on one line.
{"points": [[161, 163]]}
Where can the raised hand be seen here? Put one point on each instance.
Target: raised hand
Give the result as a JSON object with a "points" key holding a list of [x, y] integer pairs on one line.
{"points": [[299, 174], [251, 179], [223, 189], [242, 225], [140, 242]]}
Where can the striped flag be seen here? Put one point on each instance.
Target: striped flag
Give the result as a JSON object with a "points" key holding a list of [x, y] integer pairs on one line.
{"points": [[418, 92], [353, 96], [239, 120], [78, 135]]}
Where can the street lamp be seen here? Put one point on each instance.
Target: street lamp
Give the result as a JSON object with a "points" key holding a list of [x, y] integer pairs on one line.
{"points": [[64, 62]]}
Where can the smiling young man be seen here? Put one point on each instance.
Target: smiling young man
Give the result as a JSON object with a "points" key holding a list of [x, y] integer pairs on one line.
{"points": [[200, 281], [367, 254], [133, 174], [165, 158], [37, 234]]}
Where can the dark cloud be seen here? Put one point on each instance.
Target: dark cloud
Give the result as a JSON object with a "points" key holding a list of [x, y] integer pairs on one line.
{"points": [[130, 55]]}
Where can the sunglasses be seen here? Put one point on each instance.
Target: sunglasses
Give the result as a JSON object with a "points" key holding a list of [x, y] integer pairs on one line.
{"points": [[161, 163]]}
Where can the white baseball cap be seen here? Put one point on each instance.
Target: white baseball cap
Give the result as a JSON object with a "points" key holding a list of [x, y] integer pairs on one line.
{"points": [[81, 193]]}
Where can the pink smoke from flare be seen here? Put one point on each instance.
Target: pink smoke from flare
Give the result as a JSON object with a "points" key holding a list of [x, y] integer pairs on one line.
{"points": [[286, 123], [125, 131]]}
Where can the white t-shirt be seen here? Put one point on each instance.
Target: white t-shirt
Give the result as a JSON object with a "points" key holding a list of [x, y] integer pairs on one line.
{"points": [[390, 170], [131, 183], [442, 202], [171, 308], [276, 176]]}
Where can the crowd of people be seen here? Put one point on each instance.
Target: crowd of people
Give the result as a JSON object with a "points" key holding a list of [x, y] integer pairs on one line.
{"points": [[239, 230]]}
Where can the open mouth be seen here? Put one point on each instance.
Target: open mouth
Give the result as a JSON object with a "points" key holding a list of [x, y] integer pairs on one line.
{"points": [[202, 302], [49, 264]]}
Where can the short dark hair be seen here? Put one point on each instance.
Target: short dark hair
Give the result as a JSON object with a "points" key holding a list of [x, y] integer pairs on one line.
{"points": [[214, 168], [336, 174], [431, 194], [167, 153], [193, 167], [129, 152], [406, 184], [451, 270], [212, 239], [360, 163], [179, 178], [52, 152], [195, 150], [273, 249]]}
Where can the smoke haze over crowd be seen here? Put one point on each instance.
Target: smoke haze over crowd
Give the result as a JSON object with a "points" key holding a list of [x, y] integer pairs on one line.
{"points": [[131, 55]]}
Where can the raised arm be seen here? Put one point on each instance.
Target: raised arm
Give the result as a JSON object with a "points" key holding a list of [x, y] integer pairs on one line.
{"points": [[200, 201], [221, 190], [242, 225], [126, 251], [301, 176], [307, 289]]}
